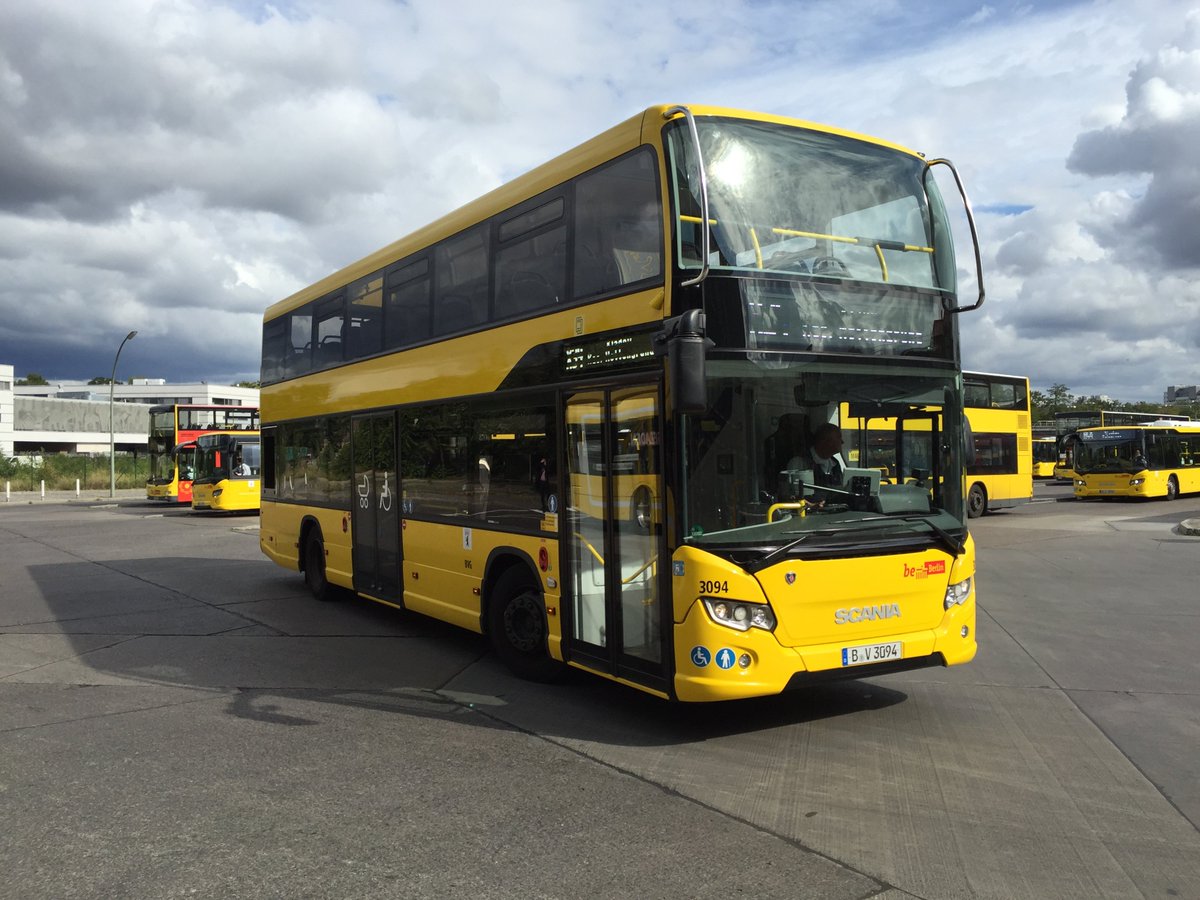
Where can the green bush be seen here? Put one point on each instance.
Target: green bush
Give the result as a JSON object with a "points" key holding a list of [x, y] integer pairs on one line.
{"points": [[60, 472]]}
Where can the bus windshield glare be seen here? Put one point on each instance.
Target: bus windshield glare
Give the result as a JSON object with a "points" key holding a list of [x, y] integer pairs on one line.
{"points": [[789, 200]]}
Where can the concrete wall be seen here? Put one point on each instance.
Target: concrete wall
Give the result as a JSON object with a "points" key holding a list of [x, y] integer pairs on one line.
{"points": [[44, 421]]}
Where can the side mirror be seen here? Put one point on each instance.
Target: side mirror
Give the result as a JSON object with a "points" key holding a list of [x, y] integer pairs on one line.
{"points": [[685, 346]]}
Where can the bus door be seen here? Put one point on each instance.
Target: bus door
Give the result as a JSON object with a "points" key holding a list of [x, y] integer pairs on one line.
{"points": [[375, 506], [614, 533]]}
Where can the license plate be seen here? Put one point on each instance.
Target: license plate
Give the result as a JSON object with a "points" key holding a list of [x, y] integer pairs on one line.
{"points": [[872, 653], [1107, 491]]}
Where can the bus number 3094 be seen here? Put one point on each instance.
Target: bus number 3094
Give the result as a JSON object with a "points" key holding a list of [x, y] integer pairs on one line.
{"points": [[714, 587]]}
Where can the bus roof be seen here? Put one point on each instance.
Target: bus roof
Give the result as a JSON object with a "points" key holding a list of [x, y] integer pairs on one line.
{"points": [[1187, 425], [633, 132]]}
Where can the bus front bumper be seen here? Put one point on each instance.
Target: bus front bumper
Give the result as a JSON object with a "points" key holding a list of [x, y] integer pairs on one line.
{"points": [[716, 663]]}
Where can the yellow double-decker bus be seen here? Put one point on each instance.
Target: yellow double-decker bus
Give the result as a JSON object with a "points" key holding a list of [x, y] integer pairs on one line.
{"points": [[1000, 470], [1000, 466], [556, 416], [1161, 459], [228, 472]]}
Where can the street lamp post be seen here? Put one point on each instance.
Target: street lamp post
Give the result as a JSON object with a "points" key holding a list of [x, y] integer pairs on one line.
{"points": [[112, 435]]}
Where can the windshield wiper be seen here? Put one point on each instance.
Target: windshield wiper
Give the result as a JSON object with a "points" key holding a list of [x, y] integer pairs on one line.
{"points": [[953, 544]]}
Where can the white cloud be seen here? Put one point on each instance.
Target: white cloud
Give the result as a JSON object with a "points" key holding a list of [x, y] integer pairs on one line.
{"points": [[175, 162]]}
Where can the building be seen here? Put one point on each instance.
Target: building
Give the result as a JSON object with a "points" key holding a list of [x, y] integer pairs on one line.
{"points": [[6, 411], [1178, 394], [73, 417], [151, 391]]}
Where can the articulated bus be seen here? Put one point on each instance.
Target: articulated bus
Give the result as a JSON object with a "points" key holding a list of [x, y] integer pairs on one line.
{"points": [[228, 472], [557, 415], [1069, 422], [1161, 459], [174, 428], [1045, 456]]}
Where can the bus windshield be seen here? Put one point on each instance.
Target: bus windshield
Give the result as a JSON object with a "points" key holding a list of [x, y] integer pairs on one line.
{"points": [[1111, 450], [749, 461], [785, 199]]}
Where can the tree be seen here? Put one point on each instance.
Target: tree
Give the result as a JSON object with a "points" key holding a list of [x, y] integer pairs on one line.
{"points": [[101, 379], [32, 378], [249, 384]]}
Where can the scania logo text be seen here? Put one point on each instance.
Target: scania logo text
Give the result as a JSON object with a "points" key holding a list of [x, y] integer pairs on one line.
{"points": [[866, 613]]}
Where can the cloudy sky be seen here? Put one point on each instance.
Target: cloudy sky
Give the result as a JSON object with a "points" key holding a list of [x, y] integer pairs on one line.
{"points": [[175, 166]]}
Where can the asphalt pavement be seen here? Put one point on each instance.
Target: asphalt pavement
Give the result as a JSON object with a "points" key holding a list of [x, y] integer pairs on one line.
{"points": [[178, 718]]}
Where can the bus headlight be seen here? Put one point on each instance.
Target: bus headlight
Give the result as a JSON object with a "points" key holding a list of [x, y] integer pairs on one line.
{"points": [[958, 593], [738, 615], [1079, 482], [217, 492], [1134, 482]]}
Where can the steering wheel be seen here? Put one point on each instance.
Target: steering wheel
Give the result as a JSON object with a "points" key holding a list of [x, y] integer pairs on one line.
{"points": [[829, 265]]}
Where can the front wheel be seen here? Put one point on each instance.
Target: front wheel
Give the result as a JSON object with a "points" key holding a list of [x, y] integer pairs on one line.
{"points": [[1172, 488], [976, 501], [517, 627]]}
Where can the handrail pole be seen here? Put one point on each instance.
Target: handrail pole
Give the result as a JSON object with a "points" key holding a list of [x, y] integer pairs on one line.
{"points": [[704, 224]]}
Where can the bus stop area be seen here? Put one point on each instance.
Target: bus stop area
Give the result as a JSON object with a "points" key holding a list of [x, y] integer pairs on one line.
{"points": [[178, 717]]}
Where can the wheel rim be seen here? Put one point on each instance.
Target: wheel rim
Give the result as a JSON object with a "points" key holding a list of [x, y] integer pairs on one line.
{"points": [[523, 624], [975, 501]]}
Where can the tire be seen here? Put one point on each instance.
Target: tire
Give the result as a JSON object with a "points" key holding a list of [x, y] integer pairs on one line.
{"points": [[1172, 488], [976, 501], [517, 627], [314, 566]]}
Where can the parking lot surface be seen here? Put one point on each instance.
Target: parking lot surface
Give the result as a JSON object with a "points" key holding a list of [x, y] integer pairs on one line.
{"points": [[177, 717]]}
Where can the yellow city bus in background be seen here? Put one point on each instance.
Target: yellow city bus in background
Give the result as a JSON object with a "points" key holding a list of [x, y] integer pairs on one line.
{"points": [[553, 416], [228, 472], [1068, 422], [1045, 457], [1156, 460], [1000, 472]]}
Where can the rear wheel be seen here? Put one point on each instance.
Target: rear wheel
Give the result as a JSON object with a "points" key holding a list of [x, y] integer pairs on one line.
{"points": [[1172, 488], [517, 627], [314, 566], [976, 501]]}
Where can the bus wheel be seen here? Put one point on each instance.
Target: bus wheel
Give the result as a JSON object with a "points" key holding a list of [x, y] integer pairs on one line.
{"points": [[976, 501], [314, 566], [1172, 488], [643, 515], [517, 627]]}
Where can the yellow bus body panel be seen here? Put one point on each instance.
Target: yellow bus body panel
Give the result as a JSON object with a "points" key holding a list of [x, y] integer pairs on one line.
{"points": [[1153, 484], [423, 374], [447, 582], [162, 491], [227, 495], [279, 538], [906, 593]]}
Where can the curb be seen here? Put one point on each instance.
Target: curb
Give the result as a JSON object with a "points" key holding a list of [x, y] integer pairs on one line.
{"points": [[1190, 526]]}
